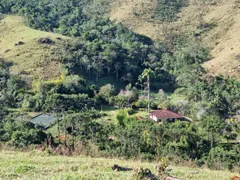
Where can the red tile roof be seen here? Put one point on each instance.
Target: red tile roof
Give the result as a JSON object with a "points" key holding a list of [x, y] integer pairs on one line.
{"points": [[139, 118], [166, 114]]}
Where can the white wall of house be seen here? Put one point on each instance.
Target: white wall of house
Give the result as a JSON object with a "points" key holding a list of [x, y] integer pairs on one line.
{"points": [[153, 117]]}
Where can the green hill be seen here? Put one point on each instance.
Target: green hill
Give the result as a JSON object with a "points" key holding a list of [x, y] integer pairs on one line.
{"points": [[218, 32], [32, 59]]}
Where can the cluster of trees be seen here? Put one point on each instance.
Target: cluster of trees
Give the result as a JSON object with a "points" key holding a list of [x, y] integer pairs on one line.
{"points": [[178, 141], [168, 10], [218, 95], [66, 17], [102, 48], [13, 91]]}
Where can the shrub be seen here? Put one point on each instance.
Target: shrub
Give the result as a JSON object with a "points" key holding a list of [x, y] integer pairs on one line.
{"points": [[130, 111], [219, 158]]}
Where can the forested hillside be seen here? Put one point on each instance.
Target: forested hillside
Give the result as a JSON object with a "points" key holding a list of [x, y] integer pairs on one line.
{"points": [[100, 78], [216, 22]]}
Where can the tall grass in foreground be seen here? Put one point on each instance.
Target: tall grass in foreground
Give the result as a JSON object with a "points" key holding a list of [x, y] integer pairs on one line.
{"points": [[41, 165]]}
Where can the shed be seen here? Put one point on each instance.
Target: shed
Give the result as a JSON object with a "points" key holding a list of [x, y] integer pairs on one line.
{"points": [[43, 120]]}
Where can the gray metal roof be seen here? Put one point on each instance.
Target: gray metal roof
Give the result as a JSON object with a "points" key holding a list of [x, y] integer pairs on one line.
{"points": [[44, 120]]}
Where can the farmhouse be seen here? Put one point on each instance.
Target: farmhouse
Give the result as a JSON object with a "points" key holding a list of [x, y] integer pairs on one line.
{"points": [[165, 114]]}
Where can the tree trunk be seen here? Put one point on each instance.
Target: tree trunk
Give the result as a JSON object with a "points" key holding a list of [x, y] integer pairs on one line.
{"points": [[117, 75], [212, 140], [73, 141], [58, 126], [148, 86], [65, 132]]}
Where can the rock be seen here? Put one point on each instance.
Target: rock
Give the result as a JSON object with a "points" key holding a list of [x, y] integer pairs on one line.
{"points": [[116, 167], [58, 38], [19, 43], [7, 50], [46, 41]]}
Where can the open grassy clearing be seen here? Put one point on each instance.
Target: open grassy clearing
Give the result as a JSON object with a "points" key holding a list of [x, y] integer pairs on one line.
{"points": [[32, 59], [38, 165]]}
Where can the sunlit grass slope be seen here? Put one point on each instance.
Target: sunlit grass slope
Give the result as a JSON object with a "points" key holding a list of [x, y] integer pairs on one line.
{"points": [[38, 165], [32, 59]]}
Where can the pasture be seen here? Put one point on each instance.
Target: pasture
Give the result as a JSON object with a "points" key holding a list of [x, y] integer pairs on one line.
{"points": [[40, 165]]}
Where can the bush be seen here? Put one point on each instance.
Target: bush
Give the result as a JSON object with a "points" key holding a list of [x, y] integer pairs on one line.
{"points": [[147, 156], [21, 139], [167, 10], [219, 158], [21, 134], [130, 111]]}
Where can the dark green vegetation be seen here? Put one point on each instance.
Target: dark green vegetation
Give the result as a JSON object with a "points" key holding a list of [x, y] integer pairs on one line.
{"points": [[103, 49], [168, 10]]}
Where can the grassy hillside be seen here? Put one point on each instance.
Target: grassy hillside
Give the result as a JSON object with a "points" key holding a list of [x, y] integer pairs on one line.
{"points": [[224, 39], [216, 22], [38, 165], [32, 59]]}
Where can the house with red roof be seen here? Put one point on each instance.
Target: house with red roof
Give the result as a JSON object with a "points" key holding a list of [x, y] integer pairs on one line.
{"points": [[165, 114]]}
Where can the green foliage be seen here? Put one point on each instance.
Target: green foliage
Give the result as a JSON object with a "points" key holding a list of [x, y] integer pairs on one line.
{"points": [[12, 88], [167, 10], [219, 158], [102, 48], [188, 54], [106, 92], [24, 168], [122, 117], [141, 103], [116, 51], [20, 134], [65, 102], [222, 94], [125, 98]]}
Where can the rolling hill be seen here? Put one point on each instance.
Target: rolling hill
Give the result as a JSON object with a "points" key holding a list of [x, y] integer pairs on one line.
{"points": [[219, 22], [19, 46]]}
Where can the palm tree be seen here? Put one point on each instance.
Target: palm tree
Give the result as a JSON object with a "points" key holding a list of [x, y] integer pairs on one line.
{"points": [[147, 73]]}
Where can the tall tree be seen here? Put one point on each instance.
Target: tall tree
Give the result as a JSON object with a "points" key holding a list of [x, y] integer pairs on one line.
{"points": [[146, 74]]}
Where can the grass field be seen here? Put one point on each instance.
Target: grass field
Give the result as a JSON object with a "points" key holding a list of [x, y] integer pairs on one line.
{"points": [[38, 165], [32, 59]]}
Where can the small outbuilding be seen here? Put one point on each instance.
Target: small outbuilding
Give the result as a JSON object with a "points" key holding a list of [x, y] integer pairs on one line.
{"points": [[43, 120], [165, 114]]}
